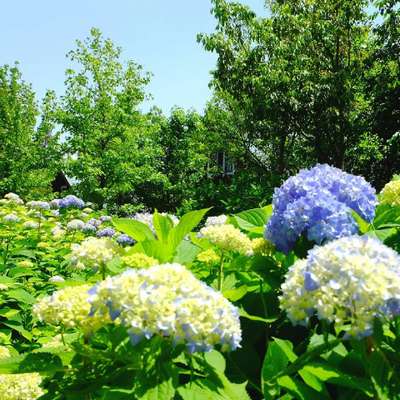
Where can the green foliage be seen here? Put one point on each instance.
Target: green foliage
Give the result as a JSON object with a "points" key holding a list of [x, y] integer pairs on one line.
{"points": [[28, 155], [111, 146]]}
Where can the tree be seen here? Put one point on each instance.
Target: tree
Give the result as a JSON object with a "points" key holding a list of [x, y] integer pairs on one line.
{"points": [[186, 153], [383, 89], [27, 156], [110, 144], [292, 79]]}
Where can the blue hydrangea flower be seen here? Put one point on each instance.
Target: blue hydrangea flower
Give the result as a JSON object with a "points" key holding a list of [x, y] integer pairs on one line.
{"points": [[125, 240], [106, 232], [318, 203], [71, 201], [95, 222], [55, 203]]}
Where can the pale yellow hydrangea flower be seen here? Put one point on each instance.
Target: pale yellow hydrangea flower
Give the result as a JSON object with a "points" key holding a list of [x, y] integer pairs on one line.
{"points": [[227, 237], [208, 256], [70, 308], [4, 352], [19, 386], [139, 260], [262, 246], [25, 264], [390, 194]]}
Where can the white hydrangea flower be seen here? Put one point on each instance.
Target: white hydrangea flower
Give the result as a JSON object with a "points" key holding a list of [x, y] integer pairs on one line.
{"points": [[38, 205], [75, 225], [93, 253], [217, 220], [168, 300], [13, 198], [30, 225], [349, 281], [11, 218], [56, 279]]}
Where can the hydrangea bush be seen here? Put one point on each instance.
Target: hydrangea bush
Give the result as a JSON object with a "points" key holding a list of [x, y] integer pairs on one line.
{"points": [[159, 307]]}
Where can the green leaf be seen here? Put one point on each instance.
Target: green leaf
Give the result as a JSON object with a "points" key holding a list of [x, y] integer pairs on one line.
{"points": [[386, 214], [118, 394], [162, 391], [186, 252], [216, 360], [298, 389], [235, 294], [136, 229], [17, 326], [279, 355], [199, 391], [382, 234], [162, 226], [363, 225], [33, 362], [157, 249], [250, 219], [17, 272], [21, 295], [327, 373], [186, 224]]}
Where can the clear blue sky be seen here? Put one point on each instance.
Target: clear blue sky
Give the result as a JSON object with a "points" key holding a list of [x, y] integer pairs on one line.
{"points": [[159, 34]]}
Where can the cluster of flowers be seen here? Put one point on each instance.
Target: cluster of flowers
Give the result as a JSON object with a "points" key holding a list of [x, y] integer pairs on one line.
{"points": [[19, 386], [227, 238], [168, 300], [349, 281], [217, 220], [35, 212], [93, 253], [391, 193], [69, 201], [69, 307], [318, 203]]}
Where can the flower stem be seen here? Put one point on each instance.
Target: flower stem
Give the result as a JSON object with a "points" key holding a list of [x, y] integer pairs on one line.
{"points": [[221, 272]]}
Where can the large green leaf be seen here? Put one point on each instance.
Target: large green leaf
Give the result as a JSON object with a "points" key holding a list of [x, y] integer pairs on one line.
{"points": [[157, 249], [32, 362], [21, 295], [162, 391], [186, 252], [298, 389], [162, 225], [328, 373], [250, 219], [279, 355], [186, 224], [136, 229]]}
